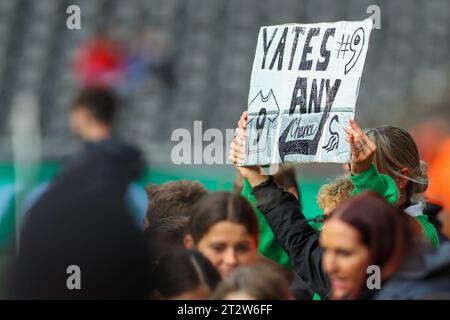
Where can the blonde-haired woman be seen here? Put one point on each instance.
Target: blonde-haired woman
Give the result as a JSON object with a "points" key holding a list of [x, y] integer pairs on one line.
{"points": [[395, 155]]}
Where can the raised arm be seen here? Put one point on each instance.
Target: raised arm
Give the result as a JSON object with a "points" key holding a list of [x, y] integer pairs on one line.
{"points": [[293, 232], [364, 176], [282, 212], [268, 244]]}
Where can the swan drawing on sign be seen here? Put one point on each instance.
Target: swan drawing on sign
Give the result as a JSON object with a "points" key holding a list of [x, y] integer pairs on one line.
{"points": [[333, 142]]}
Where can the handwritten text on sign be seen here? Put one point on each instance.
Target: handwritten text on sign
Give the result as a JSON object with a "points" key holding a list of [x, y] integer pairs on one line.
{"points": [[303, 90]]}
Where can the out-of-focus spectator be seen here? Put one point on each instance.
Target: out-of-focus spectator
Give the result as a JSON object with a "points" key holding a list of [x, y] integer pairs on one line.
{"points": [[185, 275], [165, 235], [92, 119], [433, 141], [106, 62], [332, 194], [439, 191], [258, 282], [82, 221], [82, 218], [99, 63], [430, 135], [173, 198], [149, 55]]}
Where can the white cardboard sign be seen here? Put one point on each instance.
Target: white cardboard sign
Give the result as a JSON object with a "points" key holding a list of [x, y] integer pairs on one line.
{"points": [[304, 86]]}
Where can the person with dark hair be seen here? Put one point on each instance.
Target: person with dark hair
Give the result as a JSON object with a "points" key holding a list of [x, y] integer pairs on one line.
{"points": [[185, 275], [82, 219], [165, 235], [258, 282], [103, 153], [224, 228], [92, 114], [173, 198], [92, 117]]}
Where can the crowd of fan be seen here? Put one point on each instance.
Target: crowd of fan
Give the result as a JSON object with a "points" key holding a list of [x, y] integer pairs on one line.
{"points": [[252, 243]]}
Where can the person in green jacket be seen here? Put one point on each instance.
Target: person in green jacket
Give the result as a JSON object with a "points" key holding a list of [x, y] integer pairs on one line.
{"points": [[386, 160], [332, 194], [395, 151]]}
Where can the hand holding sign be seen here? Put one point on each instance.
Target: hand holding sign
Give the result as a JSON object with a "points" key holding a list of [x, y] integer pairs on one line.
{"points": [[362, 148], [237, 154], [237, 148]]}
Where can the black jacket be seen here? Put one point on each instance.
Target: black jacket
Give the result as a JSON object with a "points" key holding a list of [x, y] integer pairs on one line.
{"points": [[432, 210], [109, 160], [423, 275], [297, 237], [82, 220], [426, 276]]}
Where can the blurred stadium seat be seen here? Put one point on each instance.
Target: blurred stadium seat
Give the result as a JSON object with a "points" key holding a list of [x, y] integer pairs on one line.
{"points": [[213, 43]]}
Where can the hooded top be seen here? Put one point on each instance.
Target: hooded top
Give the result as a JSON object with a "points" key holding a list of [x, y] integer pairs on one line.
{"points": [[81, 220], [104, 160]]}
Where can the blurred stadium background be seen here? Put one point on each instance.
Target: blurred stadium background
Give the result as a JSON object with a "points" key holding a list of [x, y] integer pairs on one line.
{"points": [[204, 51]]}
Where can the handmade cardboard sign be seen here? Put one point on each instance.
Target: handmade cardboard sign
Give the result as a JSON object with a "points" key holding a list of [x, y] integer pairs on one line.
{"points": [[304, 86]]}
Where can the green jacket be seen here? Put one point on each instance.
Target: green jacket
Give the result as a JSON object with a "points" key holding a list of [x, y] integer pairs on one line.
{"points": [[385, 186]]}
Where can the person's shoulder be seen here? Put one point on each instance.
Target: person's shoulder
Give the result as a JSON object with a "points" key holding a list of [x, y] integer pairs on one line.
{"points": [[426, 275], [114, 146]]}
